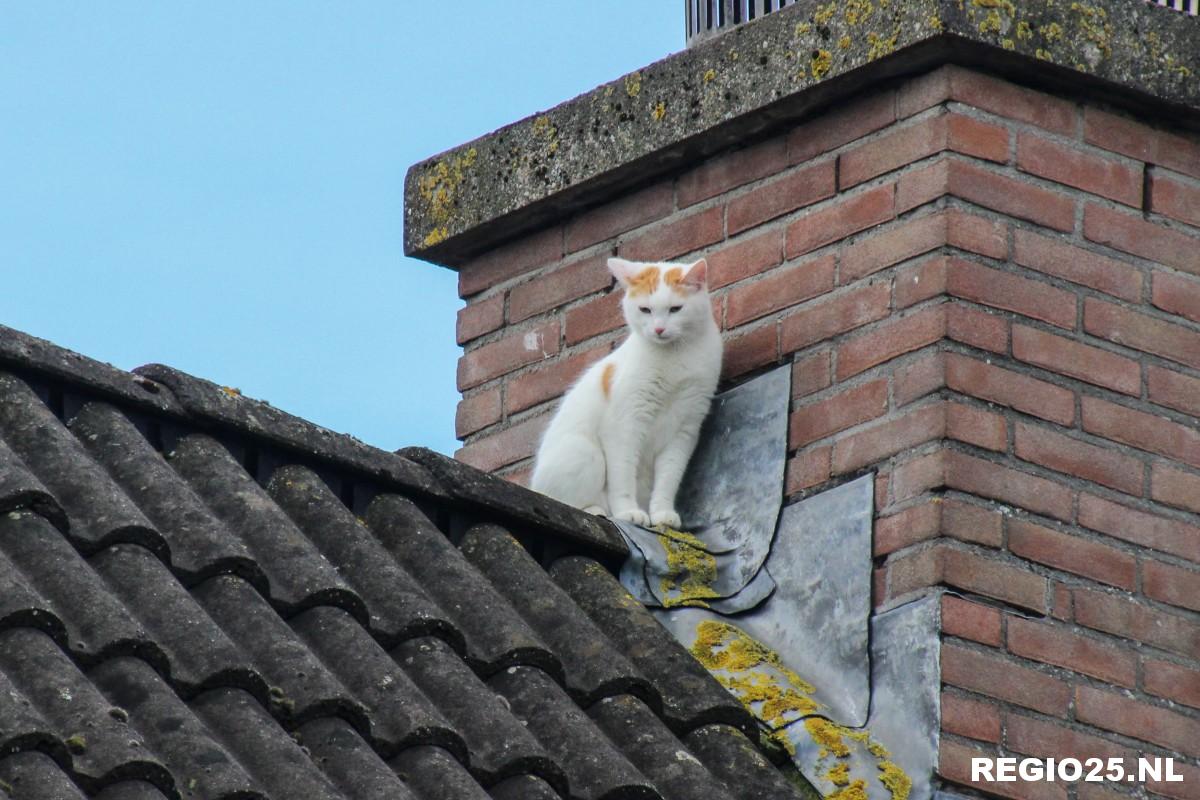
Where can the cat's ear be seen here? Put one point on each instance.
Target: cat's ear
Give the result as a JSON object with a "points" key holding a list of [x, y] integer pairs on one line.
{"points": [[623, 270], [697, 275]]}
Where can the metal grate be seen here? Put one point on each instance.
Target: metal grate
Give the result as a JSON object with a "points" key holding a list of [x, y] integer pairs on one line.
{"points": [[1190, 7], [706, 18]]}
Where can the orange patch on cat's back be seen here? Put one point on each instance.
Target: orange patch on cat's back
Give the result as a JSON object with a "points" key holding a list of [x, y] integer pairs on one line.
{"points": [[644, 282], [674, 277], [606, 378]]}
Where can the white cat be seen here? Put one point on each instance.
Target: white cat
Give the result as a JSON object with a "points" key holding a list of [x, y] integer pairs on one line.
{"points": [[624, 433]]}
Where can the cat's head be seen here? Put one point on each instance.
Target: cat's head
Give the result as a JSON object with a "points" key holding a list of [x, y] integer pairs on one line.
{"points": [[663, 302]]}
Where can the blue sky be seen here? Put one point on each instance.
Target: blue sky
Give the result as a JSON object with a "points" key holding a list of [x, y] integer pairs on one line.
{"points": [[218, 186]]}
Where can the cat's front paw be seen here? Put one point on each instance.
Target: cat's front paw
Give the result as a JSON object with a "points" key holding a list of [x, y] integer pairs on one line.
{"points": [[634, 515], [668, 518]]}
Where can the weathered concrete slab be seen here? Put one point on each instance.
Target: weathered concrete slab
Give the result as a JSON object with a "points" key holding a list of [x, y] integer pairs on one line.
{"points": [[771, 72]]}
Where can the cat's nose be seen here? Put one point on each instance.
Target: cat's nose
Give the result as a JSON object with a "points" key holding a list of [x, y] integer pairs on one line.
{"points": [[659, 329]]}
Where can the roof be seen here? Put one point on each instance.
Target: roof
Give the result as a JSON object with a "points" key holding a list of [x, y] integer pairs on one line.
{"points": [[766, 76], [207, 597]]}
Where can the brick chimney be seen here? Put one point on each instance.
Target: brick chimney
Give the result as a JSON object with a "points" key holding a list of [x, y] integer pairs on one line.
{"points": [[974, 230]]}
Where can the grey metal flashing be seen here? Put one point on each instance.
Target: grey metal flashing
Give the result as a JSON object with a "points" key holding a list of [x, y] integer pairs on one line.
{"points": [[765, 75]]}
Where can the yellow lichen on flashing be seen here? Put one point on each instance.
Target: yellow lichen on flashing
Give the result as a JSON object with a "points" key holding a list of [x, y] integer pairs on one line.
{"points": [[844, 42], [991, 23], [733, 55], [438, 187], [1024, 31], [895, 779], [660, 111], [858, 11], [825, 13], [935, 23], [879, 46], [709, 76], [633, 84], [1096, 27], [822, 60], [781, 738], [855, 791], [839, 774], [691, 571], [802, 28], [231, 391], [828, 735], [1051, 32], [1004, 5], [436, 236], [1042, 54], [1008, 44]]}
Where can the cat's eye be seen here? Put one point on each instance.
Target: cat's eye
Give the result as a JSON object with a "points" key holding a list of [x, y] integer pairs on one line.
{"points": [[644, 310], [675, 309]]}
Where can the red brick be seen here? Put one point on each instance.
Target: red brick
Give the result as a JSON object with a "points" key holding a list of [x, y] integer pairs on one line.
{"points": [[811, 374], [985, 479], [619, 216], [808, 469], [1172, 389], [1052, 739], [886, 439], [857, 213], [510, 260], [891, 245], [1119, 615], [1176, 294], [904, 528], [1063, 605], [993, 287], [568, 282], [912, 571], [1172, 681], [918, 476], [837, 412], [896, 148], [599, 315], [1186, 789], [479, 317], [1076, 360], [1072, 554], [922, 185], [977, 327], [975, 426], [789, 192], [732, 170], [676, 236], [923, 91], [826, 318], [1175, 487], [1078, 458], [969, 620], [1141, 142], [1106, 177], [1007, 100], [518, 475], [779, 289], [977, 138], [505, 447], [920, 281], [1174, 198], [991, 674], [1141, 430], [976, 234], [477, 412], [954, 764], [748, 351], [896, 336], [1141, 332], [504, 355], [1066, 261], [984, 575], [1012, 196], [1138, 720], [750, 256], [539, 385], [1170, 584], [1058, 645], [970, 718], [1130, 233], [830, 131], [918, 378], [1139, 527], [1026, 394], [971, 523]]}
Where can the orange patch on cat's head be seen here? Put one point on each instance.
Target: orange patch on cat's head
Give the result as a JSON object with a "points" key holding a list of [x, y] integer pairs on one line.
{"points": [[645, 282], [674, 277], [606, 378]]}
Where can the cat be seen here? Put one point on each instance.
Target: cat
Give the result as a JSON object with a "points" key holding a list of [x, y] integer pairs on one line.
{"points": [[624, 432]]}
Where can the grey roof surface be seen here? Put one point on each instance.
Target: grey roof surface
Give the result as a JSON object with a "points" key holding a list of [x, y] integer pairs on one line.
{"points": [[205, 597]]}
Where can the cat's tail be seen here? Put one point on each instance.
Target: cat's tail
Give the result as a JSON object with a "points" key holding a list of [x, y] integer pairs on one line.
{"points": [[571, 469]]}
